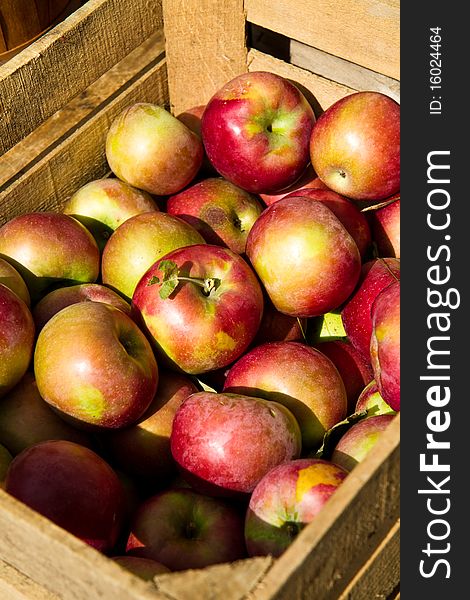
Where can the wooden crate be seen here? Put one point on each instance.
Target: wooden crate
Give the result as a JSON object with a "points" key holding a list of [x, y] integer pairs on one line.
{"points": [[57, 100]]}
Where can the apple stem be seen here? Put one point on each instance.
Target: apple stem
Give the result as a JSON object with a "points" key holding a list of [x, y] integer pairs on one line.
{"points": [[208, 284], [171, 277]]}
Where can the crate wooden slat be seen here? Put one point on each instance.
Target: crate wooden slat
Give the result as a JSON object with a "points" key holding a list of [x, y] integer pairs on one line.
{"points": [[47, 74], [365, 32]]}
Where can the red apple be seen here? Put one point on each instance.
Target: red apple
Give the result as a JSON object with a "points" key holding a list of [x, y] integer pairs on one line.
{"points": [[286, 499], [308, 179], [305, 258], [183, 529], [277, 327], [73, 487], [26, 419], [143, 449], [48, 249], [347, 212], [58, 299], [17, 336], [256, 131], [145, 568], [209, 314], [297, 376], [192, 117], [358, 441], [138, 243], [385, 344], [376, 274], [149, 148], [385, 224], [224, 443], [356, 372], [371, 401], [221, 212], [10, 277], [103, 204], [355, 146], [94, 365], [5, 460]]}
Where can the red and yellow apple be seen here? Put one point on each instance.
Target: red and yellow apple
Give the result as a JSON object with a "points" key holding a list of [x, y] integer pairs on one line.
{"points": [[371, 401], [10, 277], [385, 225]]}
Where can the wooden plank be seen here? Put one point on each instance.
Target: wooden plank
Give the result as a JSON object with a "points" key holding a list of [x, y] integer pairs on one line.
{"points": [[205, 48], [380, 575], [321, 92], [14, 585], [328, 553], [366, 32], [47, 74], [79, 156]]}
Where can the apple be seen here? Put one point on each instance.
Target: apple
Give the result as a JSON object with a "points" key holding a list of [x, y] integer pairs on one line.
{"points": [[347, 212], [376, 274], [73, 487], [297, 376], [145, 568], [201, 305], [355, 146], [183, 529], [58, 299], [192, 118], [221, 212], [277, 327], [103, 204], [385, 344], [385, 225], [138, 243], [224, 443], [48, 249], [5, 460], [356, 372], [150, 149], [358, 441], [308, 179], [307, 261], [95, 366], [371, 401], [17, 336], [256, 131], [10, 277], [26, 419], [286, 499], [326, 327], [143, 449]]}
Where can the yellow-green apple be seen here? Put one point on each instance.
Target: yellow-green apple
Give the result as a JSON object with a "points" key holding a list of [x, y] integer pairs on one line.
{"points": [[183, 529], [354, 445], [145, 568], [222, 212], [224, 443], [376, 274], [95, 366], [286, 499], [26, 419], [355, 146], [192, 117], [347, 212], [371, 401], [143, 449], [297, 376], [256, 131], [72, 486], [385, 225], [17, 337], [385, 344], [149, 148], [201, 305], [56, 300], [138, 243], [103, 204], [10, 277], [307, 261], [49, 249], [5, 460], [355, 370]]}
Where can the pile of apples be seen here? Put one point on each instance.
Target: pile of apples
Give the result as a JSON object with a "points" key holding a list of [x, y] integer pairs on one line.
{"points": [[196, 350]]}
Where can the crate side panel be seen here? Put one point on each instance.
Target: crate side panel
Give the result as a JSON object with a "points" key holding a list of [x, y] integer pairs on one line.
{"points": [[46, 75], [365, 32], [205, 48]]}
